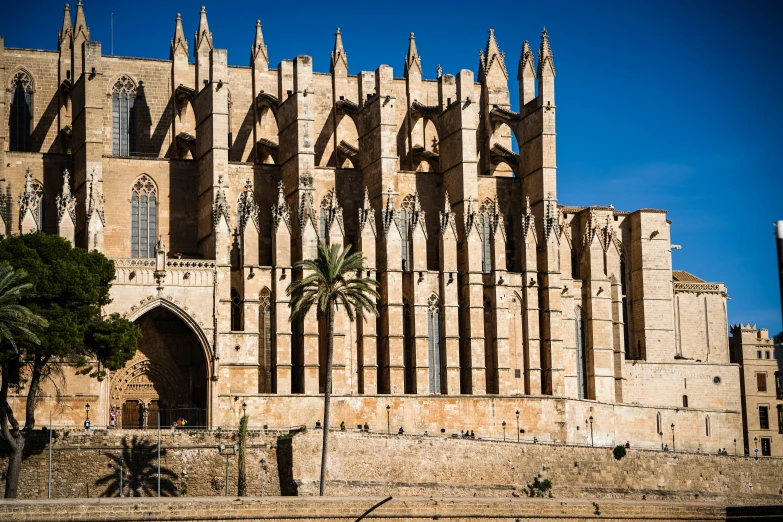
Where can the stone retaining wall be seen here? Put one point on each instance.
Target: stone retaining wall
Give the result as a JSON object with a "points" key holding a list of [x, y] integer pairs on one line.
{"points": [[372, 464]]}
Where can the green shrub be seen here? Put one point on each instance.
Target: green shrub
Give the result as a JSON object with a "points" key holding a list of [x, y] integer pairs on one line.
{"points": [[619, 452], [539, 488]]}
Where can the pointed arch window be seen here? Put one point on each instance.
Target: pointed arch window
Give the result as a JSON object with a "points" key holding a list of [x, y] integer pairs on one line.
{"points": [[123, 117], [236, 311], [433, 347], [486, 211], [406, 209], [407, 348], [581, 353], [658, 425], [510, 250], [490, 349], [144, 217], [265, 363], [21, 112]]}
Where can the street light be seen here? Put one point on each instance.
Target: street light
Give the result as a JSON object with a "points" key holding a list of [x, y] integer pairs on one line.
{"points": [[661, 434], [756, 442], [673, 447], [263, 474], [388, 420], [224, 450], [87, 424], [592, 441], [735, 447], [504, 431], [518, 432], [244, 409]]}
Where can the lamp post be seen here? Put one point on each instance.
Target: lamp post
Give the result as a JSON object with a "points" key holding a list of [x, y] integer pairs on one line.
{"points": [[263, 475], [735, 447], [388, 420], [518, 432], [661, 434], [504, 431], [592, 441], [673, 447], [756, 442], [224, 450], [244, 409], [87, 424]]}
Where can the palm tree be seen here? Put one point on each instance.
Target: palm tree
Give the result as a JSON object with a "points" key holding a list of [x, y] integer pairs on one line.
{"points": [[17, 322], [329, 282]]}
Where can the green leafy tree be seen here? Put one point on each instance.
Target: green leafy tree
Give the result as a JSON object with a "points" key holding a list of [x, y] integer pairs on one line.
{"points": [[332, 280], [68, 287]]}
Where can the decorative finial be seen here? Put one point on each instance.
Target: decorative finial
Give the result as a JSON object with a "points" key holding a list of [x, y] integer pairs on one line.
{"points": [[179, 17], [439, 71], [203, 8]]}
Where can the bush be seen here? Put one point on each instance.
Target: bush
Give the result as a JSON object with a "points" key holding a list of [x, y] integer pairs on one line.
{"points": [[619, 452], [539, 487]]}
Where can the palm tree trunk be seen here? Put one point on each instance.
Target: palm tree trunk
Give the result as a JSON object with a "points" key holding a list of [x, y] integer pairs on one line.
{"points": [[327, 390]]}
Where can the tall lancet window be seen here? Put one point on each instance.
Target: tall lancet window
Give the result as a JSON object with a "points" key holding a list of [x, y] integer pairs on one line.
{"points": [[406, 211], [581, 353], [486, 211], [123, 117], [408, 355], [144, 217], [433, 355], [21, 112]]}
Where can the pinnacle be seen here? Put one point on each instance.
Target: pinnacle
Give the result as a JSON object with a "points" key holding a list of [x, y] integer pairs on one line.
{"points": [[413, 58], [525, 58], [339, 55], [545, 52]]}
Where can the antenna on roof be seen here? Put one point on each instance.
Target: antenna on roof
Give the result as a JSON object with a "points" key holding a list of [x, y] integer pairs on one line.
{"points": [[112, 34]]}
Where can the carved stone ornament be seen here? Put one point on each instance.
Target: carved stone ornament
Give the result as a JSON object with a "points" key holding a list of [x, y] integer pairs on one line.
{"points": [[280, 211], [247, 209], [66, 202]]}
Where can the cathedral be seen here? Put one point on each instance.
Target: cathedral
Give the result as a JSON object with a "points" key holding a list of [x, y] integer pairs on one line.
{"points": [[501, 308]]}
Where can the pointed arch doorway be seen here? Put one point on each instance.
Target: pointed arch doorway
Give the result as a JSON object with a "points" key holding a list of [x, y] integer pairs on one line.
{"points": [[168, 378]]}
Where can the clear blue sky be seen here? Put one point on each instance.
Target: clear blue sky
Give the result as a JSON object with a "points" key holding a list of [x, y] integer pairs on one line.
{"points": [[668, 104]]}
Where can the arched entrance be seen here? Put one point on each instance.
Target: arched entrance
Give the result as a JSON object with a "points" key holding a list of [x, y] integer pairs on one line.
{"points": [[166, 379]]}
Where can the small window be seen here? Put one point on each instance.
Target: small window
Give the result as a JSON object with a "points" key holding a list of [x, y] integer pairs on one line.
{"points": [[658, 430], [766, 447], [761, 381], [707, 425], [236, 311], [780, 418], [766, 354], [758, 354], [517, 373], [778, 385], [764, 417], [684, 401]]}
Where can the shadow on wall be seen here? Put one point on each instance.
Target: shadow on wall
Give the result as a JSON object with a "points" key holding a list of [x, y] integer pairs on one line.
{"points": [[139, 468], [285, 466]]}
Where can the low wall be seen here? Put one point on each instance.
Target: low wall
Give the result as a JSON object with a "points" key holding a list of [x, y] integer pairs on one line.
{"points": [[372, 464], [84, 463], [349, 509]]}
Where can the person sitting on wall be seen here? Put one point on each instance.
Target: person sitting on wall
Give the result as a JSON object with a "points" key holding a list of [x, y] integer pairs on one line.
{"points": [[318, 424], [535, 440], [342, 426], [401, 431], [628, 444], [666, 448], [366, 426], [472, 435]]}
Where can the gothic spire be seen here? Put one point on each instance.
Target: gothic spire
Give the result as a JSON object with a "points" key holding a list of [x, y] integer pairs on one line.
{"points": [[80, 26], [259, 50], [66, 202], [65, 32], [525, 60], [339, 58], [178, 42], [491, 57], [545, 53], [203, 35], [413, 60]]}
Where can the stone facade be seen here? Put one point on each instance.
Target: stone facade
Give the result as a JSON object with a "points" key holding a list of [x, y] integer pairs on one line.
{"points": [[762, 390], [205, 183]]}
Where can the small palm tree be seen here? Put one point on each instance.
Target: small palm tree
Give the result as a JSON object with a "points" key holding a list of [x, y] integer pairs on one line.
{"points": [[331, 280], [17, 322]]}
